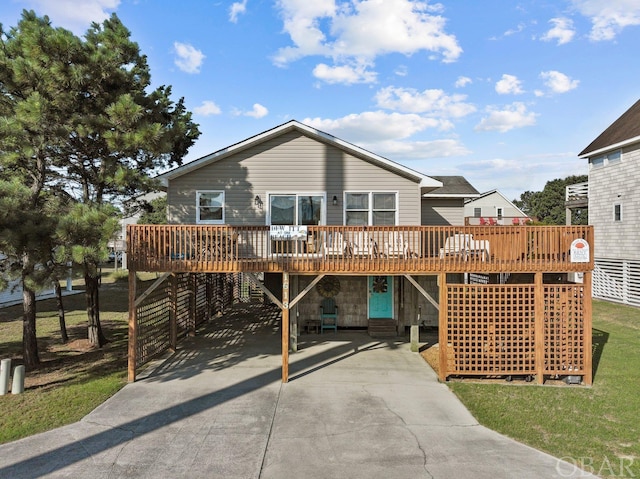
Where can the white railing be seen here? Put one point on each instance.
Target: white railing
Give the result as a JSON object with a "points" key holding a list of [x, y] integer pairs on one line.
{"points": [[577, 191]]}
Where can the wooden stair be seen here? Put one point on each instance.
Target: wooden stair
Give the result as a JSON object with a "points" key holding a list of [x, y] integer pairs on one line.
{"points": [[382, 328]]}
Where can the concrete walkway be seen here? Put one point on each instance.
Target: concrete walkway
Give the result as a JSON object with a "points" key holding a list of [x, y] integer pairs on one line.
{"points": [[355, 407]]}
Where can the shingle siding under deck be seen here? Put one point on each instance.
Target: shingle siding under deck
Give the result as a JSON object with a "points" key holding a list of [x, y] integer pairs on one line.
{"points": [[290, 163], [608, 185]]}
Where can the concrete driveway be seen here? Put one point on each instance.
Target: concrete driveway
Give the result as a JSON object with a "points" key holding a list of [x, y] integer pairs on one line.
{"points": [[355, 407]]}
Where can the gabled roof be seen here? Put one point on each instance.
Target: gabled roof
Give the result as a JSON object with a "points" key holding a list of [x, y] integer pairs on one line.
{"points": [[452, 187], [624, 131], [293, 125], [496, 192]]}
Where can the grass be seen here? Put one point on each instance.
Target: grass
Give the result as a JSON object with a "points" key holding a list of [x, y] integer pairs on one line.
{"points": [[73, 378], [596, 426]]}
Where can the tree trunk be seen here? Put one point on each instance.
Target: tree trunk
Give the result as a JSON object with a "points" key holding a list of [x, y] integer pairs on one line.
{"points": [[63, 324], [91, 281], [29, 339]]}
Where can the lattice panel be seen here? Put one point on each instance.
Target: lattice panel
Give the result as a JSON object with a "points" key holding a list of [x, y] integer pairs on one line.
{"points": [[153, 324], [490, 329], [183, 304], [564, 329]]}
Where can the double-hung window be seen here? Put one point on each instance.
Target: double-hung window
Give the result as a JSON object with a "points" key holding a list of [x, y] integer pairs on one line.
{"points": [[210, 207], [370, 208]]}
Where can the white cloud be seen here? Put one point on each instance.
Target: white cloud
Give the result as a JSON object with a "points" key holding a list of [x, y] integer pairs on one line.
{"points": [[462, 82], [433, 102], [189, 59], [609, 18], [558, 82], [562, 31], [509, 84], [344, 74], [374, 126], [75, 15], [513, 31], [512, 116], [207, 108], [258, 111], [412, 150], [236, 9], [359, 31]]}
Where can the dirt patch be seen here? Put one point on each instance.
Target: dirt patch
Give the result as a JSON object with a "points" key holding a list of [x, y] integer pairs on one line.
{"points": [[431, 356]]}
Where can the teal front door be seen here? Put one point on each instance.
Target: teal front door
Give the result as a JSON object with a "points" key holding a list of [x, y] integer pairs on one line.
{"points": [[380, 297]]}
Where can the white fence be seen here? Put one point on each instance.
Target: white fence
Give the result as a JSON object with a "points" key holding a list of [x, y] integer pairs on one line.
{"points": [[617, 280]]}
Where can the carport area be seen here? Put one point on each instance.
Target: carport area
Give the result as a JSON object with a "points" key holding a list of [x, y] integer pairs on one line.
{"points": [[217, 408]]}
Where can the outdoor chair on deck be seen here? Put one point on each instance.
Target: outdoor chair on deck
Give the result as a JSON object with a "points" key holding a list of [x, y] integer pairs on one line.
{"points": [[363, 245], [335, 245], [396, 246], [328, 315]]}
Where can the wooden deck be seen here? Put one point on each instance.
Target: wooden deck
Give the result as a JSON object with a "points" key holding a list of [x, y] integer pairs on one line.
{"points": [[357, 250]]}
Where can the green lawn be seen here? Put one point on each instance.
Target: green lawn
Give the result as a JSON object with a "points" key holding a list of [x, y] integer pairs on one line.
{"points": [[72, 379], [597, 426]]}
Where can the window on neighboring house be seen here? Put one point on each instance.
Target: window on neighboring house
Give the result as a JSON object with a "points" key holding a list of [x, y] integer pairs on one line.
{"points": [[477, 212], [608, 159], [296, 209], [210, 207], [617, 212], [499, 212], [370, 208]]}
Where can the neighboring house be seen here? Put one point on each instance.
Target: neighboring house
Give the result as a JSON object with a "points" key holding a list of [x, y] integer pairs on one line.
{"points": [[492, 207], [614, 208]]}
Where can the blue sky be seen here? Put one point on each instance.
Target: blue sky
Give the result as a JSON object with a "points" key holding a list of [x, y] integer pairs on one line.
{"points": [[503, 92]]}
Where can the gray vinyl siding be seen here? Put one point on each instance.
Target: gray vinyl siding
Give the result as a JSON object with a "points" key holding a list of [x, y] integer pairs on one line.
{"points": [[608, 185], [441, 212], [290, 163]]}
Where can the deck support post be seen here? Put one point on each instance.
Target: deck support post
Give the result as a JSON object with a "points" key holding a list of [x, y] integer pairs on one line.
{"points": [[588, 328], [285, 327], [539, 327], [133, 328], [442, 327], [414, 334]]}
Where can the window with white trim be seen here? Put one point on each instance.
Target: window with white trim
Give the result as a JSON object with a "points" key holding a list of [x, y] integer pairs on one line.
{"points": [[617, 212], [477, 212], [499, 212], [297, 209], [604, 160], [210, 207], [370, 208]]}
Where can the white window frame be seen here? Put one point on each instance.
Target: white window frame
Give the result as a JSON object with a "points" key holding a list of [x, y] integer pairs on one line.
{"points": [[619, 207], [323, 194], [611, 158], [370, 210], [210, 222], [477, 212], [500, 212]]}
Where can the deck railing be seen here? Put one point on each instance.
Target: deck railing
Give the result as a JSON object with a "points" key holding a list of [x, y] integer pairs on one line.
{"points": [[577, 191], [356, 250]]}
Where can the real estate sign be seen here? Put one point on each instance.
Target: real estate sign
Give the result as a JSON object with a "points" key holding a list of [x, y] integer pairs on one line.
{"points": [[579, 251]]}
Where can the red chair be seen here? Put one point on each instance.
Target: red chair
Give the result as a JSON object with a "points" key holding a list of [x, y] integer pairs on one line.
{"points": [[483, 222]]}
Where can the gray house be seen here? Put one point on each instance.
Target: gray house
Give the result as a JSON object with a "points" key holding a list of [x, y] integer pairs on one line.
{"points": [[493, 208], [614, 208], [294, 175]]}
